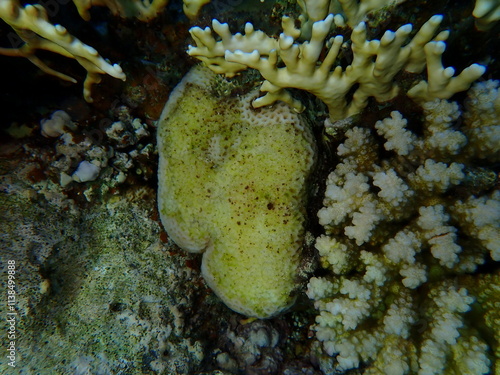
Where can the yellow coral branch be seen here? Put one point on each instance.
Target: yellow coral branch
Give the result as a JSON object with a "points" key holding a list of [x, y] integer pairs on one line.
{"points": [[32, 25]]}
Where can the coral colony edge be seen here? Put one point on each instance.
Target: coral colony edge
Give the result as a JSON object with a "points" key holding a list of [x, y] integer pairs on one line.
{"points": [[292, 187]]}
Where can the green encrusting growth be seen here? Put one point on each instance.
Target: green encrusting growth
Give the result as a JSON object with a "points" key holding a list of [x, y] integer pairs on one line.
{"points": [[232, 184]]}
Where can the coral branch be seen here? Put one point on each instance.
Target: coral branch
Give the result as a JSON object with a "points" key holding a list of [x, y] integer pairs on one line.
{"points": [[32, 25], [374, 65], [144, 10]]}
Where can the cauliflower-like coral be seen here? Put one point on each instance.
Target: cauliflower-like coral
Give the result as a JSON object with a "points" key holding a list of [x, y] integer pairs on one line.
{"points": [[401, 224]]}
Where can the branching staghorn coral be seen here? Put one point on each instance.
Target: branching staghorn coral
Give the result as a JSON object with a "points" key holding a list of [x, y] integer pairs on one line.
{"points": [[32, 25], [370, 74], [402, 227]]}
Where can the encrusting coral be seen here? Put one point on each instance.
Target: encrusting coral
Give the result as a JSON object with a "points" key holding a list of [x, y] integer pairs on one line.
{"points": [[400, 226], [232, 184]]}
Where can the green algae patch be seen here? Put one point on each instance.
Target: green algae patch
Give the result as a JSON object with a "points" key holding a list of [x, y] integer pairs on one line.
{"points": [[232, 184]]}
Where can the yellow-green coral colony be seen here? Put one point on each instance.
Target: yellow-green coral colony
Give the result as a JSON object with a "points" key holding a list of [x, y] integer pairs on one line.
{"points": [[232, 184]]}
